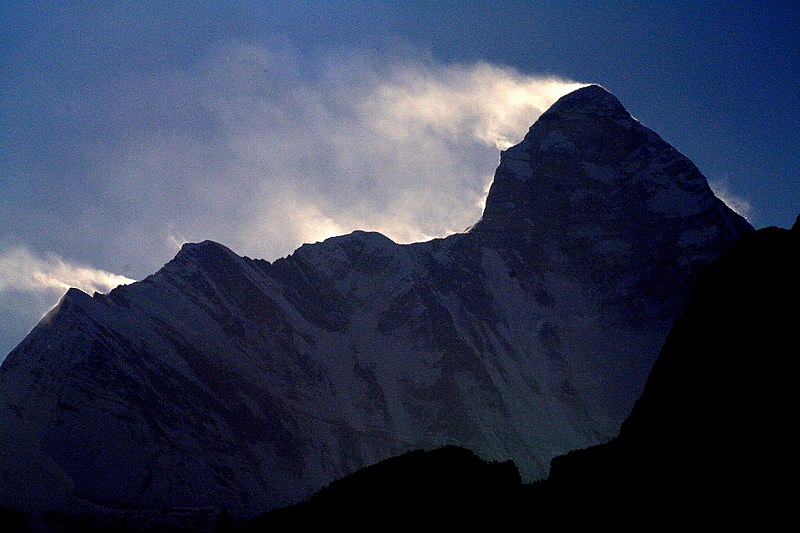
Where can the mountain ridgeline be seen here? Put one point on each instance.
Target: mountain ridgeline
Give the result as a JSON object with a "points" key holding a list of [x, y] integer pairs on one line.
{"points": [[226, 382], [707, 443]]}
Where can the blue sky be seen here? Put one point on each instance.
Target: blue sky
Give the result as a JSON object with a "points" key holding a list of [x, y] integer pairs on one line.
{"points": [[130, 127]]}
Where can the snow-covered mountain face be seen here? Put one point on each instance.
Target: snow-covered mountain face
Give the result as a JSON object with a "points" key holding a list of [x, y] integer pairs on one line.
{"points": [[243, 384]]}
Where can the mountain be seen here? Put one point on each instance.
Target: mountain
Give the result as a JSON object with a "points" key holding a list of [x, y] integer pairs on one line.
{"points": [[226, 382], [709, 442]]}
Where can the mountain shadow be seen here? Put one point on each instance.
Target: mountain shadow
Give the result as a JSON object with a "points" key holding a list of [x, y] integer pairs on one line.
{"points": [[712, 435], [13, 520]]}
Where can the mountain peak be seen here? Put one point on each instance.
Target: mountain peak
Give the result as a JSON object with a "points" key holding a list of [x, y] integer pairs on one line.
{"points": [[587, 161], [200, 246], [206, 255], [202, 249], [591, 99], [591, 185]]}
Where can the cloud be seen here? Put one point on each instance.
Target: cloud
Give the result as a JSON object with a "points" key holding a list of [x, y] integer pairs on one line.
{"points": [[481, 102], [264, 149], [737, 203], [21, 270]]}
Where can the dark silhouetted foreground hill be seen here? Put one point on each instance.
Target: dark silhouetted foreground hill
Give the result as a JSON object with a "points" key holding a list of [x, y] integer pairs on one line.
{"points": [[713, 431], [710, 441], [12, 520], [447, 482]]}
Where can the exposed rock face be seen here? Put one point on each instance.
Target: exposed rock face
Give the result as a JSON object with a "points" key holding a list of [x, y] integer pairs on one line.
{"points": [[592, 195], [708, 441], [231, 382]]}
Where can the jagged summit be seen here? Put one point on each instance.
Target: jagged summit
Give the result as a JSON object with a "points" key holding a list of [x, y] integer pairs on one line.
{"points": [[200, 248], [360, 238], [592, 99], [587, 161], [590, 185], [206, 255]]}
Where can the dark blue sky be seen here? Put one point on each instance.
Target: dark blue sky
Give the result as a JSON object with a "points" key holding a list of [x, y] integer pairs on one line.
{"points": [[100, 102]]}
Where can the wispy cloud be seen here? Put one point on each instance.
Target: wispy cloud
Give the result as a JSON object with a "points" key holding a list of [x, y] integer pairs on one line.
{"points": [[737, 203], [262, 148], [21, 270], [266, 149], [482, 102]]}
